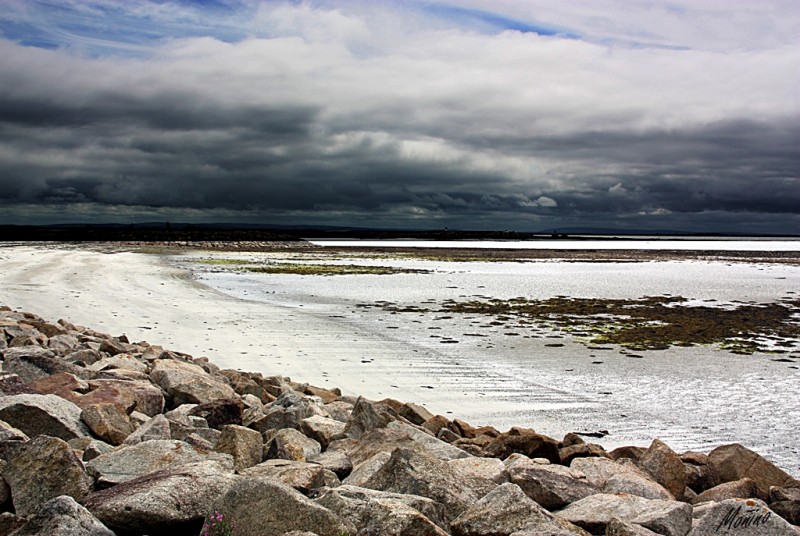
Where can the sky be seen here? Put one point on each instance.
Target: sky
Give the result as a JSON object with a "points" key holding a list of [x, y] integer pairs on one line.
{"points": [[470, 114]]}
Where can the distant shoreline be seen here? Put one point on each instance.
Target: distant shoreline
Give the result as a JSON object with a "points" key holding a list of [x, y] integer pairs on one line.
{"points": [[448, 253], [166, 232]]}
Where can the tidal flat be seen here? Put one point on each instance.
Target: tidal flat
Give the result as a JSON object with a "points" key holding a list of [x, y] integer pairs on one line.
{"points": [[699, 350], [389, 335]]}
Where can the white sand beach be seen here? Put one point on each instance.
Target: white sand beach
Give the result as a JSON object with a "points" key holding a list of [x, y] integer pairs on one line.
{"points": [[690, 397]]}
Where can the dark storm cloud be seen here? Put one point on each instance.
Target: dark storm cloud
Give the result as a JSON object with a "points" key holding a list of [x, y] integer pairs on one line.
{"points": [[329, 119], [739, 165]]}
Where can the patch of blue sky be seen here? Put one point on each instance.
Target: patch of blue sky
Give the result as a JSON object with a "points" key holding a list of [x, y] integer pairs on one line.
{"points": [[222, 5], [26, 34], [108, 28], [490, 22]]}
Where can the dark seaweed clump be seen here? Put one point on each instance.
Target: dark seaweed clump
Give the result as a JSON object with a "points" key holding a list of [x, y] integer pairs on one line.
{"points": [[649, 323]]}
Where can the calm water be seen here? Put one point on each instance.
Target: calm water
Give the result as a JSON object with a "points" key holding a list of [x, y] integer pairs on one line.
{"points": [[708, 244], [693, 398]]}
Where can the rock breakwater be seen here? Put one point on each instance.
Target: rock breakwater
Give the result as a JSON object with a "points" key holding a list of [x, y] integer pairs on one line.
{"points": [[99, 435]]}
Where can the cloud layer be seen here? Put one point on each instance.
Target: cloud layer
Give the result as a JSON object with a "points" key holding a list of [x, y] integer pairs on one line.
{"points": [[521, 116]]}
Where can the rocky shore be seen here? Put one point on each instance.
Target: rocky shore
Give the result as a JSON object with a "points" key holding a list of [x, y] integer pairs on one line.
{"points": [[99, 436]]}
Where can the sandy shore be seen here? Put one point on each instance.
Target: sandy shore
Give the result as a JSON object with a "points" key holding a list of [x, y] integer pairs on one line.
{"points": [[148, 299]]}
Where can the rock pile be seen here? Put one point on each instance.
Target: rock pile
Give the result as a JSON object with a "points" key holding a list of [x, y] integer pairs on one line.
{"points": [[101, 436]]}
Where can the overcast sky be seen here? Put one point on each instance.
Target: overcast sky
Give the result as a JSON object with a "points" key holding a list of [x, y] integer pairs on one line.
{"points": [[471, 114]]}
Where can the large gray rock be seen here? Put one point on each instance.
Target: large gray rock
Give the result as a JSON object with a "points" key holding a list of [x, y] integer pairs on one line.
{"points": [[155, 428], [133, 461], [581, 450], [141, 396], [92, 448], [32, 363], [260, 506], [617, 527], [287, 411], [363, 471], [172, 501], [412, 472], [670, 518], [188, 383], [620, 477], [435, 447], [43, 414], [486, 468], [119, 361], [786, 503], [524, 441], [9, 433], [5, 491], [243, 444], [385, 513], [302, 476], [734, 462], [665, 466], [44, 468], [366, 417], [505, 511], [62, 516], [322, 429], [395, 435], [339, 410], [552, 486], [64, 344], [739, 489], [289, 444], [219, 413], [336, 461], [741, 516], [414, 413], [107, 422], [11, 384]]}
